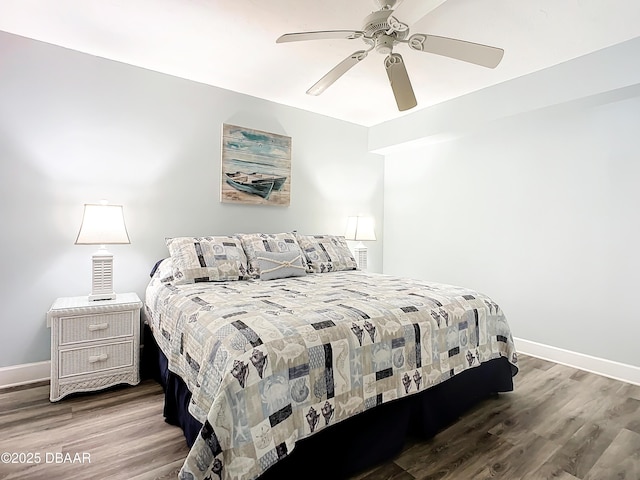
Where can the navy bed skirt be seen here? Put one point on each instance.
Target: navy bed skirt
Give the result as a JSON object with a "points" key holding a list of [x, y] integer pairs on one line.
{"points": [[357, 443]]}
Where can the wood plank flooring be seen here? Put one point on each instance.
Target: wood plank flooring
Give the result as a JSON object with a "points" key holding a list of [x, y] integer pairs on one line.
{"points": [[559, 423]]}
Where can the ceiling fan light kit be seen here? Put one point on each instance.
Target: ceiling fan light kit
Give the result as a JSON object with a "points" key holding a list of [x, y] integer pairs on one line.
{"points": [[382, 31]]}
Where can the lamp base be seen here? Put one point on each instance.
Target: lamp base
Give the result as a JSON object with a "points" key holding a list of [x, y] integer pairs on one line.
{"points": [[102, 276], [361, 256]]}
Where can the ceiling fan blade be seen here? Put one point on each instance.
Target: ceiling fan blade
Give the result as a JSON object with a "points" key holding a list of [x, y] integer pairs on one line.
{"points": [[413, 10], [324, 35], [400, 83], [336, 72], [483, 55]]}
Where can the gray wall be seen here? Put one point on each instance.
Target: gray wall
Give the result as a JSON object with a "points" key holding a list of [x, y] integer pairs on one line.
{"points": [[528, 191], [75, 129]]}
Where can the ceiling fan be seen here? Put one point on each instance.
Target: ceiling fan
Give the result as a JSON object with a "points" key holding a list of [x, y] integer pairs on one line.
{"points": [[382, 31]]}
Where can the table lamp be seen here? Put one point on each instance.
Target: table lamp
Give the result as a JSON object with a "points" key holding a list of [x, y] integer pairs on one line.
{"points": [[102, 224], [360, 229]]}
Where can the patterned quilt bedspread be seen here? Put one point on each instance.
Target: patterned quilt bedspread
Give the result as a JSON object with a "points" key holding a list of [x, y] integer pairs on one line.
{"points": [[272, 362]]}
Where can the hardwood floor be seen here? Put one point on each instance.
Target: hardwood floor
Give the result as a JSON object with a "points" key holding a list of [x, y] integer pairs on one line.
{"points": [[559, 423]]}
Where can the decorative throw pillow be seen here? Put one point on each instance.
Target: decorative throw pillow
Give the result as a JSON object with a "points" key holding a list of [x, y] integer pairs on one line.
{"points": [[326, 253], [257, 243], [207, 259], [274, 265]]}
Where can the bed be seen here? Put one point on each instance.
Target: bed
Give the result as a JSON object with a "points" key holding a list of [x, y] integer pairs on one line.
{"points": [[279, 357]]}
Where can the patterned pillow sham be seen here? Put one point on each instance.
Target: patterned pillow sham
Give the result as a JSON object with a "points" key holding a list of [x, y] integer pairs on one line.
{"points": [[207, 259], [275, 265], [326, 253], [256, 243]]}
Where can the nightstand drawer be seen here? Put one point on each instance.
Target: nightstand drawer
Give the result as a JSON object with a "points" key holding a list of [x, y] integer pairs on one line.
{"points": [[85, 328], [93, 359]]}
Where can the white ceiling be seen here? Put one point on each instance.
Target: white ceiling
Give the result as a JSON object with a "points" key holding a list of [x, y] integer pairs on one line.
{"points": [[231, 43]]}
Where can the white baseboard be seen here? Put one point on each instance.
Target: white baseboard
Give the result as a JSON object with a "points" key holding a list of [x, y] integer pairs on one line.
{"points": [[600, 366], [23, 374]]}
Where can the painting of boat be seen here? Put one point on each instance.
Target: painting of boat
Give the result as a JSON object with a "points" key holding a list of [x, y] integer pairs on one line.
{"points": [[256, 167], [255, 183]]}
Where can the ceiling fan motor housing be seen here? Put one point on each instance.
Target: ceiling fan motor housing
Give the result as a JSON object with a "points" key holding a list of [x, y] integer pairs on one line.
{"points": [[376, 26], [384, 44]]}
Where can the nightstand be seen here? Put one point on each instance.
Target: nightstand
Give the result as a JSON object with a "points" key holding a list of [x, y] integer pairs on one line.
{"points": [[94, 344]]}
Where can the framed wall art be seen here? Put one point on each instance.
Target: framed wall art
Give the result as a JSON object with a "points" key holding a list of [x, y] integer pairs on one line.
{"points": [[256, 167]]}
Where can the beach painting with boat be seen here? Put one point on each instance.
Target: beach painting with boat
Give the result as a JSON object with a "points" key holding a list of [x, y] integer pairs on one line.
{"points": [[256, 167]]}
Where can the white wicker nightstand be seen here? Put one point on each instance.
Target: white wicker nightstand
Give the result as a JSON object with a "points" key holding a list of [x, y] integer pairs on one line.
{"points": [[94, 345]]}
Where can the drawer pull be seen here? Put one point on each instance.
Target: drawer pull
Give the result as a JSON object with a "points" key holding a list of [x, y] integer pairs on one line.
{"points": [[98, 358], [99, 326]]}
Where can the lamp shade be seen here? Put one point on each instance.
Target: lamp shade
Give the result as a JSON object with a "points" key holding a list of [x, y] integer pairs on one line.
{"points": [[359, 229], [102, 225]]}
